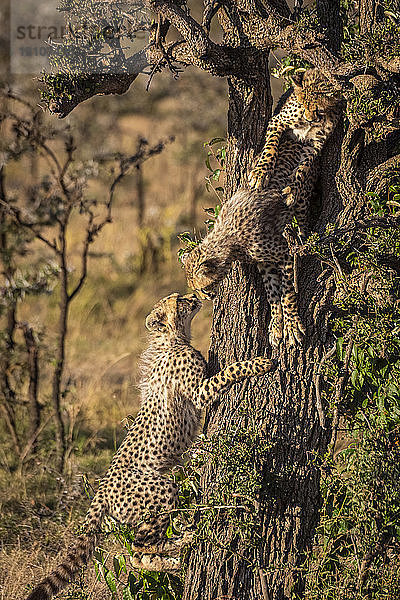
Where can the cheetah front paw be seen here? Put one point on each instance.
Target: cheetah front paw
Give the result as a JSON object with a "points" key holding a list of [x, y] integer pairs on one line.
{"points": [[289, 196], [293, 331]]}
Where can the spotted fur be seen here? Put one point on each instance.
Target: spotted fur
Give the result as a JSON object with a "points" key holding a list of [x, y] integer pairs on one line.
{"points": [[309, 116], [250, 228], [135, 489]]}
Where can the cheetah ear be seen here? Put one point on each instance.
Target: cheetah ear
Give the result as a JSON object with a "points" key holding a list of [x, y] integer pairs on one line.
{"points": [[297, 78], [153, 323], [209, 266]]}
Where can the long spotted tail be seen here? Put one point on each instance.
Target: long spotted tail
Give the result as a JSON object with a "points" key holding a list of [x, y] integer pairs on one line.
{"points": [[78, 555]]}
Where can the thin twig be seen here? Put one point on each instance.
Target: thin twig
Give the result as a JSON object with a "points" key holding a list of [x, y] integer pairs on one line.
{"points": [[317, 385]]}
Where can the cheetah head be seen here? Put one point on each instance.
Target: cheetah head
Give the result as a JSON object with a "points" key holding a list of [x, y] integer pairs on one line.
{"points": [[173, 315], [316, 94], [203, 274]]}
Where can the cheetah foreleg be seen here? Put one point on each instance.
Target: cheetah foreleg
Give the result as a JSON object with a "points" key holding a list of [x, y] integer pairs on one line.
{"points": [[292, 192], [161, 557], [166, 547], [261, 173], [206, 393], [272, 284], [165, 564]]}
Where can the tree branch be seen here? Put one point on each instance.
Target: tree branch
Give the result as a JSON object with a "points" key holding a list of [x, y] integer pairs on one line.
{"points": [[383, 174], [264, 26], [16, 213], [371, 13], [87, 85], [84, 256]]}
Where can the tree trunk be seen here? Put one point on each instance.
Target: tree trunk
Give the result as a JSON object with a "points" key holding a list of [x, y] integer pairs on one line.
{"points": [[33, 389], [60, 352], [371, 12], [279, 415], [329, 17]]}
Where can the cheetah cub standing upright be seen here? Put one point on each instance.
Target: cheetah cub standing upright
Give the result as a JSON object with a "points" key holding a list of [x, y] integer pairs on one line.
{"points": [[308, 116], [135, 490]]}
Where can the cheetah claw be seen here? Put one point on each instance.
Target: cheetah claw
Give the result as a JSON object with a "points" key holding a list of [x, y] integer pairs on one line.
{"points": [[255, 180]]}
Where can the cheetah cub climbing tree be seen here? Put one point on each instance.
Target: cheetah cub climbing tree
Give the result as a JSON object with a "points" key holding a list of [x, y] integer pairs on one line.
{"points": [[135, 489], [251, 224]]}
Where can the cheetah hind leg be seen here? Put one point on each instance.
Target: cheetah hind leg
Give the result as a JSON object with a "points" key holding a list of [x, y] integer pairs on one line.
{"points": [[272, 284], [293, 329]]}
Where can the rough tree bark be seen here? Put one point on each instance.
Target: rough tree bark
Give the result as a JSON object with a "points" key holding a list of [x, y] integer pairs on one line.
{"points": [[371, 12], [286, 405]]}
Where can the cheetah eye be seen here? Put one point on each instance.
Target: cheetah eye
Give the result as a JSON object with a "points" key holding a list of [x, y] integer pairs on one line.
{"points": [[209, 292]]}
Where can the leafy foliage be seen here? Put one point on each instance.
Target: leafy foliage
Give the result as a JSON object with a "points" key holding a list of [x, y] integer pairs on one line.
{"points": [[357, 550], [146, 585]]}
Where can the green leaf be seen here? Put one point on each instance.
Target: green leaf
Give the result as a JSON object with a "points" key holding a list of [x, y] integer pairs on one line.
{"points": [[135, 585], [126, 594], [110, 581], [339, 348], [354, 378], [119, 564]]}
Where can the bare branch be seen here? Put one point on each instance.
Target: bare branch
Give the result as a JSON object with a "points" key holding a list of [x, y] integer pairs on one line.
{"points": [[88, 85], [16, 213], [93, 229], [84, 256]]}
